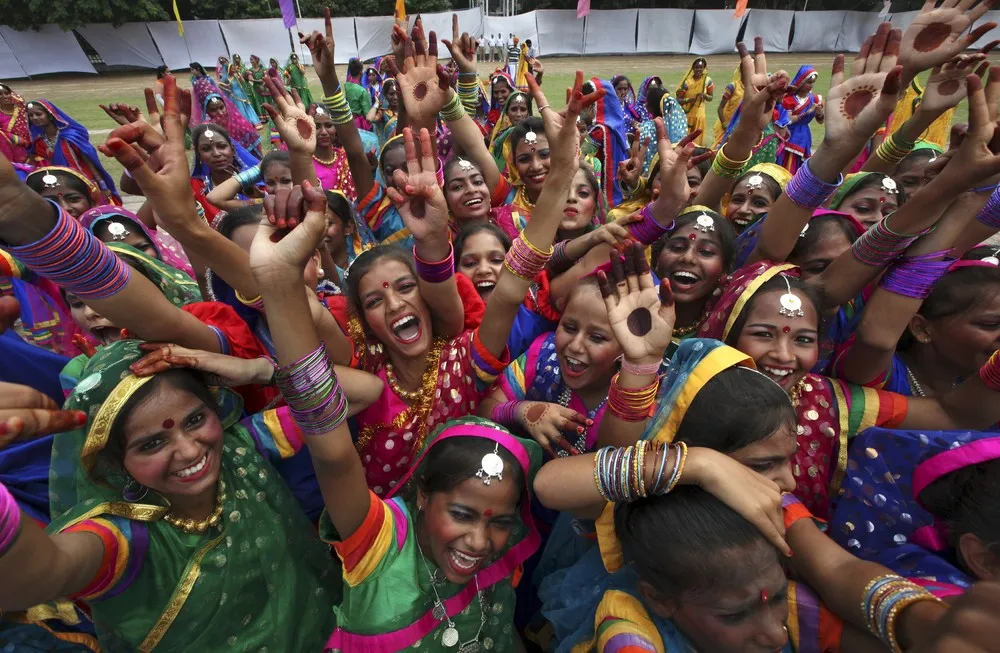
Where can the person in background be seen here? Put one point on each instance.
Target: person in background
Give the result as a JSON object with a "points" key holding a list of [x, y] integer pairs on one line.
{"points": [[357, 97], [532, 50]]}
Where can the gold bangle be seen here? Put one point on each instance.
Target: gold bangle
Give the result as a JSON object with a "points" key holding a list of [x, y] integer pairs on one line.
{"points": [[890, 621], [252, 303]]}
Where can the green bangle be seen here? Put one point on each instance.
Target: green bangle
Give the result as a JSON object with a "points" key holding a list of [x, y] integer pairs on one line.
{"points": [[453, 111]]}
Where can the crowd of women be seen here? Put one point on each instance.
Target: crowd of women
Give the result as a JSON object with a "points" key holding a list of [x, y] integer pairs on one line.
{"points": [[454, 368]]}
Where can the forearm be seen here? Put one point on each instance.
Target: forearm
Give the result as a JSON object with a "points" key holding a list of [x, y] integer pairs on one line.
{"points": [[739, 147], [227, 259], [618, 432], [302, 167], [224, 192], [339, 347], [909, 132], [469, 139], [433, 256]]}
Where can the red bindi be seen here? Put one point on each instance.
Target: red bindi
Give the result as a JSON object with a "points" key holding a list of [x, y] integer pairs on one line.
{"points": [[488, 513], [693, 237], [168, 423], [385, 284], [785, 329], [763, 596]]}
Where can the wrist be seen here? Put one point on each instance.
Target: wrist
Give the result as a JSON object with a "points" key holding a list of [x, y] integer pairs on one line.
{"points": [[277, 278], [265, 369], [432, 249]]}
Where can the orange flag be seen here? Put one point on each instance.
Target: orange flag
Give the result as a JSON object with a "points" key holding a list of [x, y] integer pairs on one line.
{"points": [[741, 8], [400, 12]]}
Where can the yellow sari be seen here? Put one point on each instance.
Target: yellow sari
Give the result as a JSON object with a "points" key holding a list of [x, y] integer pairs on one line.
{"points": [[729, 108], [939, 131], [688, 92]]}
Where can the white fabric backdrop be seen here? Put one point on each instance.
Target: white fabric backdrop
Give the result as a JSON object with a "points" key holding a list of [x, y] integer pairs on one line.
{"points": [[857, 26], [202, 42], [373, 33], [343, 34], [772, 25], [559, 32], [49, 50], [903, 19], [816, 31], [127, 45], [611, 32], [469, 20], [523, 25], [9, 66], [265, 38], [664, 30], [715, 31]]}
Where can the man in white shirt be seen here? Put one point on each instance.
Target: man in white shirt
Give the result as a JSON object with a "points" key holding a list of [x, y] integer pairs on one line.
{"points": [[498, 49]]}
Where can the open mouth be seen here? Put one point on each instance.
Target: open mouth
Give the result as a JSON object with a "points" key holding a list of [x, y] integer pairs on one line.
{"points": [[742, 220], [406, 328], [462, 563], [537, 179], [574, 367], [195, 471], [473, 203], [485, 287], [106, 334], [683, 280], [780, 375]]}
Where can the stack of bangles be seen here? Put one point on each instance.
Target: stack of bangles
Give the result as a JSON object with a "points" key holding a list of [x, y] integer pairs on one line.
{"points": [[453, 110], [989, 373], [468, 91], [249, 177], [894, 149], [436, 272], [340, 110], [990, 214], [505, 413], [524, 260], [881, 245], [632, 405], [620, 472], [10, 520], [727, 168], [884, 598], [915, 276], [647, 231], [73, 258], [256, 303], [313, 393], [809, 191]]}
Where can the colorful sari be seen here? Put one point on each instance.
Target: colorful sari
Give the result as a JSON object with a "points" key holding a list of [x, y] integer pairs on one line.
{"points": [[674, 119], [231, 587], [374, 89], [14, 128], [202, 184], [499, 145], [241, 130], [766, 151], [735, 92], [385, 126], [335, 173], [388, 603], [778, 175], [608, 136], [236, 91], [798, 146], [629, 105], [258, 90], [71, 149], [496, 109], [297, 75], [829, 412], [170, 253], [940, 130], [687, 92]]}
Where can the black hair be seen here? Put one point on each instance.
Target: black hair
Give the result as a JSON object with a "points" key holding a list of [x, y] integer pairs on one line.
{"points": [[364, 263], [526, 96], [529, 124], [690, 542], [389, 146], [724, 231], [809, 293], [102, 231], [456, 460], [527, 42], [198, 131], [161, 71], [820, 228], [469, 230], [966, 500], [355, 67], [871, 180], [111, 458], [274, 156], [703, 166], [241, 217], [701, 59], [341, 207], [917, 157], [618, 78], [957, 292], [198, 67], [654, 97], [34, 181], [772, 186]]}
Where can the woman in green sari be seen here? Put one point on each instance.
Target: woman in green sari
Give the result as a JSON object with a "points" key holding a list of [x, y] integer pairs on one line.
{"points": [[179, 533], [256, 73], [295, 73]]}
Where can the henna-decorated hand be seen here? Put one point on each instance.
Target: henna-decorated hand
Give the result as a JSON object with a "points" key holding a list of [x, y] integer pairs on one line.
{"points": [[939, 35], [293, 227], [978, 156], [122, 113], [549, 423], [423, 85], [616, 233], [296, 127], [560, 126], [223, 370], [321, 48], [26, 412], [761, 91], [859, 106], [463, 48], [417, 194], [946, 87], [630, 170], [641, 318], [675, 192]]}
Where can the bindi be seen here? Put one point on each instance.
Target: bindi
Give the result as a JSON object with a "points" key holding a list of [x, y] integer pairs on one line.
{"points": [[385, 284], [640, 322], [763, 597], [168, 423], [785, 329], [488, 513]]}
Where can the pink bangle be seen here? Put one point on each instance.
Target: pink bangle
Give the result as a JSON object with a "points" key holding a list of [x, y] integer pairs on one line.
{"points": [[436, 271], [990, 372], [10, 520], [640, 369]]}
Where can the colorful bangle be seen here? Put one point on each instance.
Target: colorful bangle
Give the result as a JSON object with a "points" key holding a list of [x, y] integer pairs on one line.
{"points": [[678, 467], [647, 231], [915, 276], [437, 271], [894, 149], [640, 369], [884, 598], [506, 413], [809, 191], [75, 259], [340, 110], [248, 177], [989, 373], [314, 395], [10, 520], [727, 168], [620, 472], [560, 261], [256, 303], [880, 245], [989, 215], [631, 405], [453, 110], [524, 260]]}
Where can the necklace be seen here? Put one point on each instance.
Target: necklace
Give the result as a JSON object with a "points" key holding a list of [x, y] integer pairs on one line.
{"points": [[192, 526], [580, 444], [915, 386], [409, 396], [450, 635], [326, 162], [680, 332], [521, 199], [50, 143]]}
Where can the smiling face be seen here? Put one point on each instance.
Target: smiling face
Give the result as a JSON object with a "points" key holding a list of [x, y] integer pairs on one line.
{"points": [[784, 348], [967, 339], [748, 203], [581, 203], [466, 192], [481, 261], [173, 443], [501, 91], [832, 243], [692, 261], [585, 345], [277, 176], [72, 201], [393, 308], [392, 96], [532, 160], [38, 115], [517, 110], [869, 205], [6, 96], [462, 530], [326, 133], [215, 151], [698, 68], [92, 322]]}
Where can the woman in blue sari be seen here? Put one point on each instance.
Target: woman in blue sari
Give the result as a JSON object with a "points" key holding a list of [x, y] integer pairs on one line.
{"points": [[606, 138], [658, 103], [801, 108], [233, 86], [58, 140]]}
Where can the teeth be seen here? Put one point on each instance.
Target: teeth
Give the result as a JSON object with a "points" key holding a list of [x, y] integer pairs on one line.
{"points": [[574, 362], [463, 561], [685, 277], [193, 469], [485, 284], [473, 202], [403, 321], [741, 221], [774, 371]]}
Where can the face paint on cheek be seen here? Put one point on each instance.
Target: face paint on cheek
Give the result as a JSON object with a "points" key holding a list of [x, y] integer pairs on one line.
{"points": [[168, 423]]}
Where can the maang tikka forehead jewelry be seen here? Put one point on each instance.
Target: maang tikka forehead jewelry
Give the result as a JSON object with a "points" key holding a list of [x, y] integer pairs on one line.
{"points": [[704, 223], [117, 231], [491, 466], [791, 305], [531, 138], [889, 185], [464, 165], [756, 182], [992, 258], [50, 181]]}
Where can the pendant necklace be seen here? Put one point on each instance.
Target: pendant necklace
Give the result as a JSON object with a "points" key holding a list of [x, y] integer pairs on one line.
{"points": [[449, 637]]}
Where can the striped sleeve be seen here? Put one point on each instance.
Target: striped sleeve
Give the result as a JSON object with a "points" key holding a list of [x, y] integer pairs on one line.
{"points": [[794, 510], [275, 433], [812, 628], [125, 545], [367, 548], [623, 626], [871, 407], [512, 380]]}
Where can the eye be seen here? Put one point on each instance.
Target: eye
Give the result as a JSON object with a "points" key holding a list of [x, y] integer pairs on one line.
{"points": [[805, 340], [504, 523], [151, 445], [195, 420], [815, 268], [760, 333], [737, 199], [569, 327], [467, 262], [761, 468], [734, 618], [497, 259], [460, 515], [761, 203], [707, 253], [407, 286], [543, 154], [678, 246], [523, 159], [372, 303], [598, 338]]}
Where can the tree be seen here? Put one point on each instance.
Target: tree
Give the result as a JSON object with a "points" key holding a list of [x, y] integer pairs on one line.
{"points": [[32, 14]]}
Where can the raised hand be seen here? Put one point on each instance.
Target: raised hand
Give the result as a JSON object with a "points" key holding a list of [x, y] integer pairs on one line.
{"points": [[760, 90], [946, 87], [938, 35], [122, 113], [417, 194], [974, 160], [674, 163], [630, 170], [293, 227], [858, 106], [26, 412], [296, 128], [223, 370], [549, 423], [641, 318], [423, 85], [560, 126], [462, 48], [321, 48]]}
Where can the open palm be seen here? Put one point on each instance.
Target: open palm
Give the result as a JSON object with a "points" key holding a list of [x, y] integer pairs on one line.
{"points": [[417, 194], [938, 34], [296, 128], [642, 324]]}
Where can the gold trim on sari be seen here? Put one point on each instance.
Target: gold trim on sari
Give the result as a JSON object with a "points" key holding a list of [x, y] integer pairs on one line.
{"points": [[100, 430], [749, 292]]}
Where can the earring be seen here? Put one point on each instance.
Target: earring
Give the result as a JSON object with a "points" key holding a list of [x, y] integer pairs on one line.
{"points": [[320, 271], [134, 491]]}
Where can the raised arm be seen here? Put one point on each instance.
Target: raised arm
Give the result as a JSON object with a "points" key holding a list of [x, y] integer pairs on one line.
{"points": [[223, 196], [296, 127]]}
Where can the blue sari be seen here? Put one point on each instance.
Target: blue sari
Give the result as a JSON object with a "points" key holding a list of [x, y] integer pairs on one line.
{"points": [[238, 94]]}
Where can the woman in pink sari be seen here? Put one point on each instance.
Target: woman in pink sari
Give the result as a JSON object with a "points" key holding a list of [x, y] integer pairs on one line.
{"points": [[14, 134]]}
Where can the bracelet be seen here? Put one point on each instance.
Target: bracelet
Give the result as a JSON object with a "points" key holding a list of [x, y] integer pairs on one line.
{"points": [[880, 245], [505, 413], [727, 168], [620, 472], [989, 373], [989, 215], [809, 191], [524, 260], [884, 598], [437, 271], [647, 231], [631, 405], [313, 393], [274, 366], [915, 276], [340, 110], [560, 261], [472, 73], [10, 520], [255, 302], [73, 258], [453, 110], [640, 369], [248, 177], [894, 149]]}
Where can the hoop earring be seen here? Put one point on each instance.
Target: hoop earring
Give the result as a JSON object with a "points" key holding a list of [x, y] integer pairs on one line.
{"points": [[134, 491]]}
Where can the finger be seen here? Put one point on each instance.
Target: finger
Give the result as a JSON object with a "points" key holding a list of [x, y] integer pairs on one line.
{"points": [[454, 30], [979, 113], [577, 420], [641, 264], [560, 440], [139, 132], [858, 67], [666, 293], [36, 422], [772, 525], [428, 160], [663, 145], [126, 155], [432, 48], [269, 201], [618, 272], [891, 86], [976, 34], [878, 47], [328, 24], [295, 212], [891, 53], [86, 348], [690, 138], [993, 91], [173, 103], [444, 79], [704, 156], [605, 286], [759, 58], [281, 208], [272, 112], [151, 106], [296, 99], [410, 147], [15, 395], [394, 195], [989, 47]]}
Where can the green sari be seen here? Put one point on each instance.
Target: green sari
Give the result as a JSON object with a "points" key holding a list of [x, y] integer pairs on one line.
{"points": [[258, 581], [257, 96], [388, 601], [298, 81]]}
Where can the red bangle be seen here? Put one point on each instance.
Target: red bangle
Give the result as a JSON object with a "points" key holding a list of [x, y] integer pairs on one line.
{"points": [[990, 372]]}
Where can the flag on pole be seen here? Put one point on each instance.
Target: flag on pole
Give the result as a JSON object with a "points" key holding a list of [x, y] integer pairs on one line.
{"points": [[177, 15], [287, 12], [582, 8], [399, 13], [741, 8], [886, 6]]}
